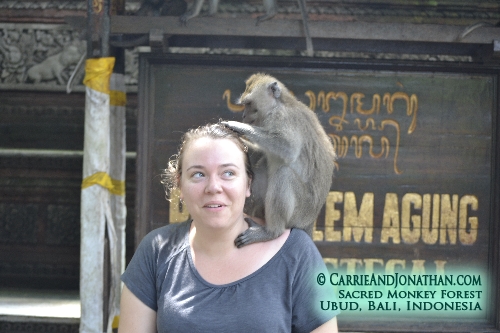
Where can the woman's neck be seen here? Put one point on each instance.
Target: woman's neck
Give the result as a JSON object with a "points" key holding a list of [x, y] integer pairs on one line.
{"points": [[215, 242]]}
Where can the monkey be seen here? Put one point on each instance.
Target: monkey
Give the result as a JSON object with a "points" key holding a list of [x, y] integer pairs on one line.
{"points": [[291, 155], [271, 8]]}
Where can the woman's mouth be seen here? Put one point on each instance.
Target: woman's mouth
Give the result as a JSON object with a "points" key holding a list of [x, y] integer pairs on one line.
{"points": [[214, 205]]}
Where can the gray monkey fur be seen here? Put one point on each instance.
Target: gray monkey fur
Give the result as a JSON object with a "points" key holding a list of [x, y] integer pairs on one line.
{"points": [[292, 159], [271, 8]]}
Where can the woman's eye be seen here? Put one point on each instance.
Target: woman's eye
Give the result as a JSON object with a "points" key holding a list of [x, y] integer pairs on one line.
{"points": [[228, 173], [197, 175]]}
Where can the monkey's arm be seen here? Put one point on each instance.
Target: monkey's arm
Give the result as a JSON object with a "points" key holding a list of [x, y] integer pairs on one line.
{"points": [[282, 144]]}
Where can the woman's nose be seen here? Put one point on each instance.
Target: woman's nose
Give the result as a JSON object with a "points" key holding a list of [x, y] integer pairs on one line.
{"points": [[213, 185]]}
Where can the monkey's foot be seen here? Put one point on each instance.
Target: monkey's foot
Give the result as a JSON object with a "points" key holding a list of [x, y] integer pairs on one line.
{"points": [[265, 17], [186, 17], [254, 234]]}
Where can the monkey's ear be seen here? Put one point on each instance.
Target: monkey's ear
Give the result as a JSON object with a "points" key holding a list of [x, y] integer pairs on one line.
{"points": [[275, 89]]}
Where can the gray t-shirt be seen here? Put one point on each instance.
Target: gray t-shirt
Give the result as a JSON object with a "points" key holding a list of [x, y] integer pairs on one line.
{"points": [[281, 296]]}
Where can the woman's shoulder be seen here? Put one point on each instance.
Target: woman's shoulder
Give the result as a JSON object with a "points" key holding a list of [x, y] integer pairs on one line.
{"points": [[301, 237], [300, 244], [168, 238]]}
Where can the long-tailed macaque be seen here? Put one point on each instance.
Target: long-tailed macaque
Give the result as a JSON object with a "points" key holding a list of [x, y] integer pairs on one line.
{"points": [[292, 157]]}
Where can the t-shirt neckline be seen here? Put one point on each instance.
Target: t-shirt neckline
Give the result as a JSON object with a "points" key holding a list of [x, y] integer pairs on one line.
{"points": [[249, 276]]}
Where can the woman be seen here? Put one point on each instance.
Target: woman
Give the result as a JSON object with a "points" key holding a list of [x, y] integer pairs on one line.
{"points": [[190, 277]]}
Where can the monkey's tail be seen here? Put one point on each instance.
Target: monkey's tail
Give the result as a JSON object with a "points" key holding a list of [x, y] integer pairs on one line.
{"points": [[309, 44]]}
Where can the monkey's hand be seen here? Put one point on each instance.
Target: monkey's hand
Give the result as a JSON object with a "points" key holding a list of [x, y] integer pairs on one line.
{"points": [[238, 127], [254, 234], [184, 18]]}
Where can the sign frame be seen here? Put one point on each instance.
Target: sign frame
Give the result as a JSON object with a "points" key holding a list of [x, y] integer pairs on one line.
{"points": [[146, 175]]}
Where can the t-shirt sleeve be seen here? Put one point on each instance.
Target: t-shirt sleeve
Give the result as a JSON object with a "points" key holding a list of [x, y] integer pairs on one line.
{"points": [[308, 289], [140, 275]]}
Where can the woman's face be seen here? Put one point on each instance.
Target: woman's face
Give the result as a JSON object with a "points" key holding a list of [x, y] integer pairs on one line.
{"points": [[214, 183]]}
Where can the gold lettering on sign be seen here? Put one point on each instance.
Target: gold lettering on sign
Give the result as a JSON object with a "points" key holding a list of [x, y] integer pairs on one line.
{"points": [[467, 230], [97, 6], [418, 267], [440, 266], [390, 220], [395, 124], [332, 215], [370, 264], [356, 104], [340, 120], [359, 104], [430, 218], [410, 225], [430, 230], [449, 219], [351, 264], [411, 106], [233, 107], [392, 264], [357, 224], [312, 99]]}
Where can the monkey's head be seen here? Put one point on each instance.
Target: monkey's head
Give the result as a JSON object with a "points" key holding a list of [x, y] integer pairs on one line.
{"points": [[262, 94]]}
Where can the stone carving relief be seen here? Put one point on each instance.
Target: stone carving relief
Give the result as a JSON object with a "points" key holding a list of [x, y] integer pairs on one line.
{"points": [[38, 56]]}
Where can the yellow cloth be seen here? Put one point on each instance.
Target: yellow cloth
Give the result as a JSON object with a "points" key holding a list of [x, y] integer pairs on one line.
{"points": [[97, 73], [116, 321], [114, 186], [117, 98]]}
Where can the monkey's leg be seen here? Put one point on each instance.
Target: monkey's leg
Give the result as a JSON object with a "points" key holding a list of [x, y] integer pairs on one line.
{"points": [[279, 206], [212, 7], [255, 204], [271, 8], [309, 44], [254, 234], [192, 12]]}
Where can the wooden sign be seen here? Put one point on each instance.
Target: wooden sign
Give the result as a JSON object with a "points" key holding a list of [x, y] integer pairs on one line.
{"points": [[413, 192]]}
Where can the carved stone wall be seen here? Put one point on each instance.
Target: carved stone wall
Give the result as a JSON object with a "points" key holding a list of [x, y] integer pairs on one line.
{"points": [[43, 53], [45, 56]]}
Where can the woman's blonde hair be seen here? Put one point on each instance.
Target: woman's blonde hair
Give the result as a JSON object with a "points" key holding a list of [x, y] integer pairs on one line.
{"points": [[171, 175]]}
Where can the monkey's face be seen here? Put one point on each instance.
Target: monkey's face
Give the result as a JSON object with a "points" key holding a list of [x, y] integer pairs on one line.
{"points": [[259, 101], [250, 113], [214, 182]]}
